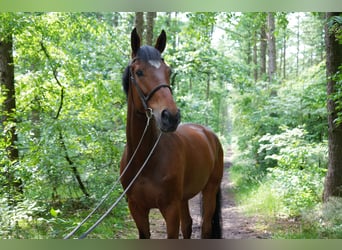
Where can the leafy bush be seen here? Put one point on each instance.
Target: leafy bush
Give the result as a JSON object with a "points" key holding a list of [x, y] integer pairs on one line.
{"points": [[284, 194], [297, 179], [21, 220], [294, 184], [293, 150], [296, 190]]}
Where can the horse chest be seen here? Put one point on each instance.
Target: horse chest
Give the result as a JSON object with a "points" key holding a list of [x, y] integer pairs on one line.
{"points": [[152, 190], [144, 192]]}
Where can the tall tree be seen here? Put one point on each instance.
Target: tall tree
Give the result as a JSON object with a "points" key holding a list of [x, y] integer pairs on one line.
{"points": [[282, 24], [298, 43], [333, 181], [263, 48], [139, 23], [255, 57], [145, 31], [8, 112], [149, 27], [272, 64]]}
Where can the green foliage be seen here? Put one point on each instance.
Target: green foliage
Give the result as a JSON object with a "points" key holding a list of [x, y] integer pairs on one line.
{"points": [[337, 96], [87, 116], [71, 115], [71, 112], [305, 184], [282, 139], [264, 109], [335, 26], [330, 220], [200, 74], [295, 183], [322, 221], [292, 150]]}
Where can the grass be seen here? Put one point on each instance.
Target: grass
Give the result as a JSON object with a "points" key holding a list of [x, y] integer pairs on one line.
{"points": [[323, 221]]}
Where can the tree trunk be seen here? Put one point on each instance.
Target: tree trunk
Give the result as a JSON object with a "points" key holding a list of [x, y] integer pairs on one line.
{"points": [[272, 66], [8, 120], [116, 19], [284, 55], [149, 27], [139, 24], [333, 181], [255, 58], [263, 48], [298, 41]]}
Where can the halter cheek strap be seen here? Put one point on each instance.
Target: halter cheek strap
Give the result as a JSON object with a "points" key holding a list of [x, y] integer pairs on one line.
{"points": [[144, 99]]}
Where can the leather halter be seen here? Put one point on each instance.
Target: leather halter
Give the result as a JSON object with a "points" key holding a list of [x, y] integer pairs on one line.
{"points": [[145, 98]]}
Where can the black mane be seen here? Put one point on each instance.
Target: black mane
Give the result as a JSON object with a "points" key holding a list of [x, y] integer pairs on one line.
{"points": [[145, 53]]}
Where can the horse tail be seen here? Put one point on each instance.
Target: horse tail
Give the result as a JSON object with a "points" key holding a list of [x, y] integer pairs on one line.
{"points": [[216, 222]]}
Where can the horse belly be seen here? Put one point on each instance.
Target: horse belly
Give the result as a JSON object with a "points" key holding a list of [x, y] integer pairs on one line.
{"points": [[195, 181]]}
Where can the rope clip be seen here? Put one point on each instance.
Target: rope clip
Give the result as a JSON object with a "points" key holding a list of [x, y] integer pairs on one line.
{"points": [[149, 113]]}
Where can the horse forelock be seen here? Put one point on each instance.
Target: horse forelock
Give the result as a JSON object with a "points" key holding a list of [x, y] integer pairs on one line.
{"points": [[148, 53]]}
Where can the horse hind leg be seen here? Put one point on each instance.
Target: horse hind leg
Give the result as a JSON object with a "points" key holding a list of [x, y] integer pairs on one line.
{"points": [[211, 214], [211, 200], [186, 220]]}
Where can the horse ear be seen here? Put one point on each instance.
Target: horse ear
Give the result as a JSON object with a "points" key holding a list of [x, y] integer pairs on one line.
{"points": [[161, 42], [135, 42]]}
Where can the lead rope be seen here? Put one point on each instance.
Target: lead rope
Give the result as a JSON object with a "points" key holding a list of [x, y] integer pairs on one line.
{"points": [[125, 191], [149, 115]]}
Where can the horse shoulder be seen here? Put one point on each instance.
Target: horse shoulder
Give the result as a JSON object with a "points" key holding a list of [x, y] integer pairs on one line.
{"points": [[195, 133]]}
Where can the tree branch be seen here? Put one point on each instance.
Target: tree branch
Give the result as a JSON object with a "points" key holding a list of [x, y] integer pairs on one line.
{"points": [[61, 138], [55, 75], [73, 167]]}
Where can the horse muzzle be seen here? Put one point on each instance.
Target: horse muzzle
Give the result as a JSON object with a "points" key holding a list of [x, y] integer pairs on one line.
{"points": [[169, 121]]}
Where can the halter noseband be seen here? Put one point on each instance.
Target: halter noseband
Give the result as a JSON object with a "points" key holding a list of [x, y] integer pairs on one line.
{"points": [[145, 98]]}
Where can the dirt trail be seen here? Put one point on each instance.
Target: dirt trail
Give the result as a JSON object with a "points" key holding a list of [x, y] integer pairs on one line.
{"points": [[235, 224]]}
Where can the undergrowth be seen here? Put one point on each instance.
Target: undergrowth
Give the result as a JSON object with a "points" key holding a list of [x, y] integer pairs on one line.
{"points": [[53, 220], [288, 195]]}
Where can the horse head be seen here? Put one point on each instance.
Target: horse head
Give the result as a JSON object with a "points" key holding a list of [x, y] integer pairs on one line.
{"points": [[150, 77]]}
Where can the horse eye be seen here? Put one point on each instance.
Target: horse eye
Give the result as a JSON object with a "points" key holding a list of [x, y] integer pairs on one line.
{"points": [[139, 73]]}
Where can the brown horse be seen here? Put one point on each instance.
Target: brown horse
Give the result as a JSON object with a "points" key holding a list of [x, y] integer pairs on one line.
{"points": [[187, 160]]}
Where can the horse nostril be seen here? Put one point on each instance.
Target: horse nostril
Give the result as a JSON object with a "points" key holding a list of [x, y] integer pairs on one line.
{"points": [[165, 115], [170, 121]]}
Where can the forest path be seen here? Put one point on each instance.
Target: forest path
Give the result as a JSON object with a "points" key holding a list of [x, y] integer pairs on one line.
{"points": [[234, 224]]}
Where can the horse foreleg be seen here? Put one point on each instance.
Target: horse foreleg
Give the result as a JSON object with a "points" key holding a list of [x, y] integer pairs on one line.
{"points": [[172, 219], [186, 220], [140, 216]]}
